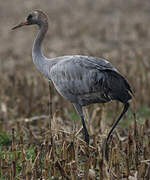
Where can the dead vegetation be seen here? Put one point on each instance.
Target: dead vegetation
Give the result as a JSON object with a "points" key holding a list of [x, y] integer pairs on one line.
{"points": [[32, 149]]}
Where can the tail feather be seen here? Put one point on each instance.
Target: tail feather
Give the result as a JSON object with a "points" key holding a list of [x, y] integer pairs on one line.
{"points": [[128, 86], [119, 87]]}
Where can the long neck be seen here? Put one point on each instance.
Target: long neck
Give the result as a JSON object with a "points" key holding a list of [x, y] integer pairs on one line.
{"points": [[37, 46], [38, 58]]}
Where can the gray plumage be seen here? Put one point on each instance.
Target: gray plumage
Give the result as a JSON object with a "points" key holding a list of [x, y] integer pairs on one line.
{"points": [[82, 80], [86, 80]]}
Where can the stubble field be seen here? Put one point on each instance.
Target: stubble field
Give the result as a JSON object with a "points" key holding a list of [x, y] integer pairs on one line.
{"points": [[115, 30]]}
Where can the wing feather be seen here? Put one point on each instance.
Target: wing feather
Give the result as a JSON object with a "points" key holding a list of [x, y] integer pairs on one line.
{"points": [[80, 75], [88, 80]]}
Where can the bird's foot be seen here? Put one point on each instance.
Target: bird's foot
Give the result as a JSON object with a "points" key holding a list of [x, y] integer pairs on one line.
{"points": [[86, 138], [106, 150]]}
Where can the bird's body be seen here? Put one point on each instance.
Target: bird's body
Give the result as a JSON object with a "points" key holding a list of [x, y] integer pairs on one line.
{"points": [[82, 80], [86, 80]]}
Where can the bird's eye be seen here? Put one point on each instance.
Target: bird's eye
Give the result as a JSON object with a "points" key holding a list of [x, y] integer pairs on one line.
{"points": [[29, 17]]}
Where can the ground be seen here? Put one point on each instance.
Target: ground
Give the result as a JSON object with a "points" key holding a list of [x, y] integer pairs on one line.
{"points": [[118, 31]]}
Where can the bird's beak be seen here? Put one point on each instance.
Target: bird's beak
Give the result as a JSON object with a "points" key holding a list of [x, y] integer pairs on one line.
{"points": [[20, 25]]}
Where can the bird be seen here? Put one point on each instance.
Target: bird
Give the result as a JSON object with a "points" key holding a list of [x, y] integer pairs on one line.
{"points": [[82, 80]]}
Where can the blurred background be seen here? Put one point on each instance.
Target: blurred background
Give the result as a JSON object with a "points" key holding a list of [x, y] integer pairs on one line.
{"points": [[115, 30]]}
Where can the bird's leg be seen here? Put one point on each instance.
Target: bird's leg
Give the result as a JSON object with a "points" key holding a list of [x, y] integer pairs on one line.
{"points": [[126, 106], [80, 112], [50, 105]]}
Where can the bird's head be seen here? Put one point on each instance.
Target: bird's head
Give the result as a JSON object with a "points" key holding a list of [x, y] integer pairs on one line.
{"points": [[35, 17]]}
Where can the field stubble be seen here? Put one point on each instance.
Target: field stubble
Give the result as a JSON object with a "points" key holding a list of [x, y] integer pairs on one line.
{"points": [[28, 149]]}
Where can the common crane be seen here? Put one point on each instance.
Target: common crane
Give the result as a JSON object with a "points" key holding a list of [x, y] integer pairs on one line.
{"points": [[82, 80]]}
